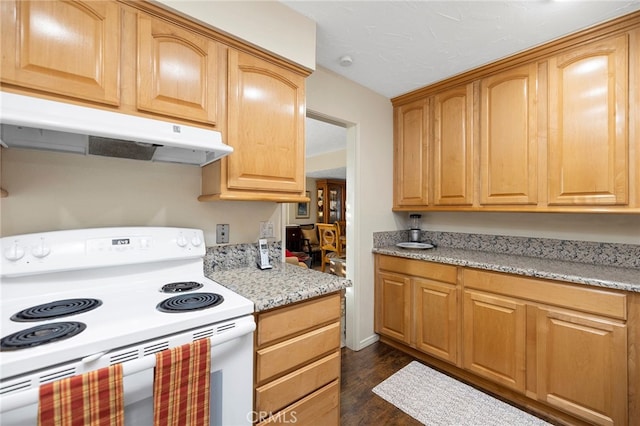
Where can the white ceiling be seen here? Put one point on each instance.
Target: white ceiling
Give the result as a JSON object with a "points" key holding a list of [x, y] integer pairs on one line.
{"points": [[399, 46]]}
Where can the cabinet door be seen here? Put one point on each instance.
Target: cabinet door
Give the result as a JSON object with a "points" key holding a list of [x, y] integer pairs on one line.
{"points": [[494, 338], [266, 125], [336, 203], [321, 204], [436, 316], [582, 366], [588, 125], [66, 48], [393, 304], [453, 147], [178, 71], [411, 154], [508, 138]]}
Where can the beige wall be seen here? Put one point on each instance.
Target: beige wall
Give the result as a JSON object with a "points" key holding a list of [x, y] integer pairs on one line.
{"points": [[50, 191], [609, 228], [327, 161], [291, 208], [368, 117], [265, 23]]}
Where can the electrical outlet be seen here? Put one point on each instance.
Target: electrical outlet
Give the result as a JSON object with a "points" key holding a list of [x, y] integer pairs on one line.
{"points": [[222, 233], [266, 230]]}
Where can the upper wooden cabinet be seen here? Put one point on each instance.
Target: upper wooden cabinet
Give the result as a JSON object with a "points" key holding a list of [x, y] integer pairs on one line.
{"points": [[266, 110], [65, 48], [453, 147], [588, 124], [411, 154], [547, 130], [178, 71], [266, 125], [508, 137], [137, 57]]}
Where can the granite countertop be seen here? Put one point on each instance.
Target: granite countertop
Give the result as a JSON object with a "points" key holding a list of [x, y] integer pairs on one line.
{"points": [[620, 278], [282, 285]]}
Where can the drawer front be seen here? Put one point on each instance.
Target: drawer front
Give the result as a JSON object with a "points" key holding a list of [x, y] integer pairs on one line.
{"points": [[290, 321], [288, 389], [321, 408], [418, 268], [290, 354], [602, 302]]}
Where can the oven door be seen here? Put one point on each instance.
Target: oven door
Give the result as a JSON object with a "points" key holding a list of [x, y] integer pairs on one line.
{"points": [[231, 399]]}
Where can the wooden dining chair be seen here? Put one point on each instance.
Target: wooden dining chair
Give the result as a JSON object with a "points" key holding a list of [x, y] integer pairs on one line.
{"points": [[330, 246]]}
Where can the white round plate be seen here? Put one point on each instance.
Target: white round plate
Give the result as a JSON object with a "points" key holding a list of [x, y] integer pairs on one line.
{"points": [[415, 245]]}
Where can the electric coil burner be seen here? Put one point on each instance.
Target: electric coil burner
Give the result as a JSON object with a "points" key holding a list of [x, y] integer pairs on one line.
{"points": [[180, 287], [190, 302], [41, 334], [57, 309]]}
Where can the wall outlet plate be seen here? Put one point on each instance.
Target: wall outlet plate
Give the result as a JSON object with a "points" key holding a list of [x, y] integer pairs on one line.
{"points": [[266, 230], [222, 233]]}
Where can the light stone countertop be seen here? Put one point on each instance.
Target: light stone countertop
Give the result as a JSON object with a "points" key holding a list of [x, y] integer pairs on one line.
{"points": [[620, 278], [280, 286]]}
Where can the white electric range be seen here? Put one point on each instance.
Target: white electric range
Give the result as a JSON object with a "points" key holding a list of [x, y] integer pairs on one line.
{"points": [[75, 301]]}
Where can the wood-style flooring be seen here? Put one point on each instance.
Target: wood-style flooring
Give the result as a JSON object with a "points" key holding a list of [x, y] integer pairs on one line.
{"points": [[361, 372]]}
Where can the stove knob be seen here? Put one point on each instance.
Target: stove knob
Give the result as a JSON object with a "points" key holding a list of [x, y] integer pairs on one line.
{"points": [[196, 241], [145, 243], [41, 250], [15, 252], [181, 241]]}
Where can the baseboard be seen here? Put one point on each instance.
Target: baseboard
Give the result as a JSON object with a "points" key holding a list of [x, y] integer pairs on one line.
{"points": [[366, 342]]}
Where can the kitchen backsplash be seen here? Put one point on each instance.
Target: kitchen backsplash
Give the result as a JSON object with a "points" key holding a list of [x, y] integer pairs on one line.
{"points": [[610, 254], [222, 258]]}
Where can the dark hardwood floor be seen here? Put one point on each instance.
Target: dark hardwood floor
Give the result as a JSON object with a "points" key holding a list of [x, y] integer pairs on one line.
{"points": [[361, 372]]}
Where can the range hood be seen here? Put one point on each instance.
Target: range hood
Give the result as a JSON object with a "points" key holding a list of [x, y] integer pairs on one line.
{"points": [[29, 122]]}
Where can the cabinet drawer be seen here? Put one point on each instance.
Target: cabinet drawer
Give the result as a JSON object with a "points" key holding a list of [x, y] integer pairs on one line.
{"points": [[290, 354], [293, 320], [601, 302], [420, 268], [278, 394], [321, 408]]}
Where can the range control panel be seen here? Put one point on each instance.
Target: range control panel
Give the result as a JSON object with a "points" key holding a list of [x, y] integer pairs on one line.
{"points": [[97, 247]]}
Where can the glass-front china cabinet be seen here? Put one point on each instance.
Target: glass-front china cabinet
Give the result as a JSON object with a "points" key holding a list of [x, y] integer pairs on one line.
{"points": [[331, 200]]}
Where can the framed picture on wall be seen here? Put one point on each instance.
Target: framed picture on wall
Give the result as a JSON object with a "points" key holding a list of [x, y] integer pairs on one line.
{"points": [[302, 212]]}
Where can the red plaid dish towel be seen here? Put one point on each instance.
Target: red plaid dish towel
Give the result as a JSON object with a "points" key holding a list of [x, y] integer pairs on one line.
{"points": [[90, 399], [181, 386]]}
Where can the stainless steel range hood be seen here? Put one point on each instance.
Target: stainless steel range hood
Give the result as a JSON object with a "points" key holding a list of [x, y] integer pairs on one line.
{"points": [[30, 122]]}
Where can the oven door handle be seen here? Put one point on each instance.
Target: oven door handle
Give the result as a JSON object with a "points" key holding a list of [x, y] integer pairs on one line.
{"points": [[31, 396], [132, 367]]}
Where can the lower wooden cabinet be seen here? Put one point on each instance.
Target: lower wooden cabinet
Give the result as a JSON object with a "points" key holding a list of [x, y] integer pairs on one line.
{"points": [[436, 313], [320, 408], [566, 350], [297, 363], [494, 338], [394, 310], [582, 365], [416, 304]]}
